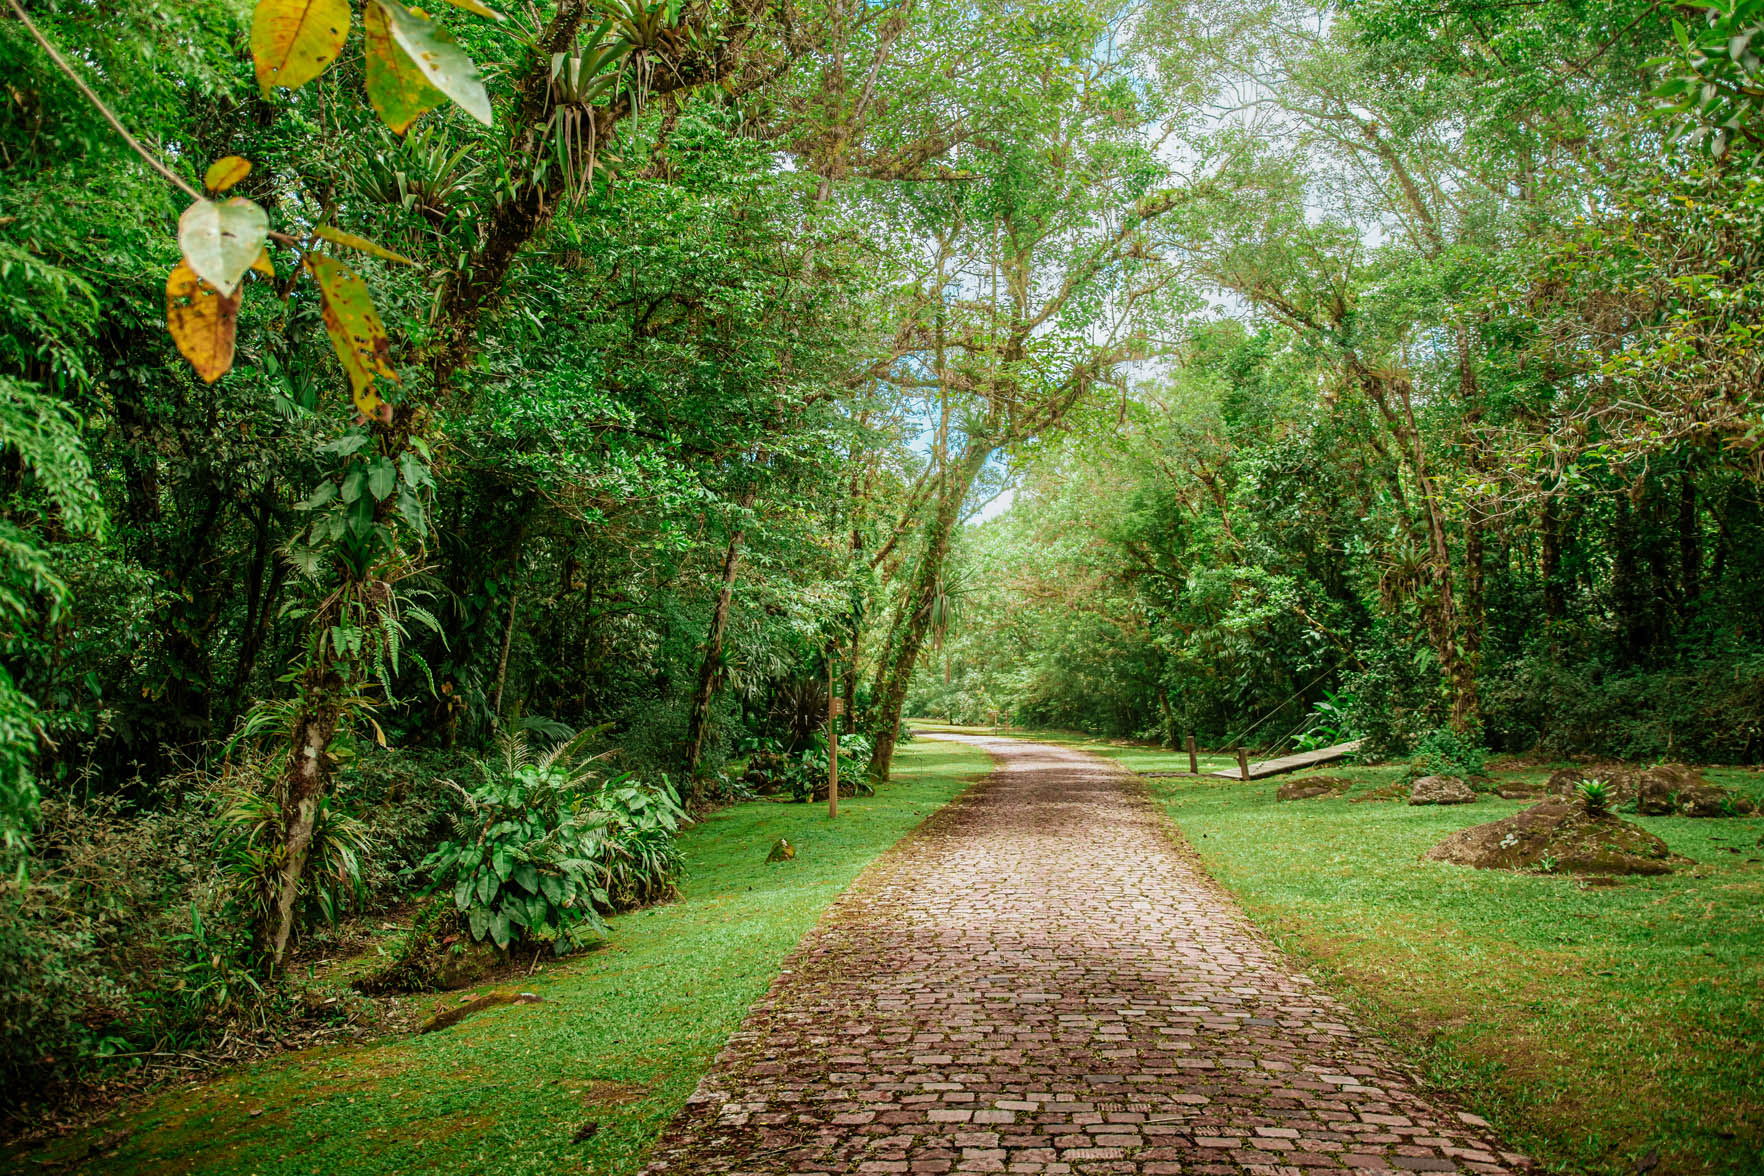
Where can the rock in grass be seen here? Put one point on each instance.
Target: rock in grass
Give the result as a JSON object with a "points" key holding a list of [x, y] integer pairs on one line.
{"points": [[1440, 790], [1557, 836], [782, 851], [1677, 790], [1619, 782], [1315, 786]]}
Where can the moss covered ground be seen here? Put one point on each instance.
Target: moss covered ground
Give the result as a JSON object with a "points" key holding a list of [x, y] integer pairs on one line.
{"points": [[581, 1082]]}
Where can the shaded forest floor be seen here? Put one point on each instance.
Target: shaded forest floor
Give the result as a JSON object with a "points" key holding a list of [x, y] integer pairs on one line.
{"points": [[581, 1082], [1591, 1024]]}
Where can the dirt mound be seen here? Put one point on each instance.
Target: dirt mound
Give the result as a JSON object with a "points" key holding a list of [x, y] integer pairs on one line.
{"points": [[1556, 835], [1313, 786], [1677, 790], [1519, 790], [1440, 790]]}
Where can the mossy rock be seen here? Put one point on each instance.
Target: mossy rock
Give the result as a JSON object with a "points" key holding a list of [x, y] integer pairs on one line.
{"points": [[438, 955], [1441, 790], [1557, 836], [1313, 786], [1677, 790]]}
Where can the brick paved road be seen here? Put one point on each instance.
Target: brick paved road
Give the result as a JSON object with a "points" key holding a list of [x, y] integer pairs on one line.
{"points": [[1040, 980]]}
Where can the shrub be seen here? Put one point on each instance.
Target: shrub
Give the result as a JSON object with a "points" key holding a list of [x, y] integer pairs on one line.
{"points": [[109, 941], [1445, 752], [808, 769], [541, 854]]}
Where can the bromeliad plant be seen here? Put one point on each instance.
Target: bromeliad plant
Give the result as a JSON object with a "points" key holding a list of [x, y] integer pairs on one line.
{"points": [[1596, 796], [541, 854]]}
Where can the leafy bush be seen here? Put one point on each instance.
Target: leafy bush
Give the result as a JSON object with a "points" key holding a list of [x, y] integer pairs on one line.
{"points": [[251, 829], [1329, 723], [540, 854], [808, 769], [1445, 752], [108, 940]]}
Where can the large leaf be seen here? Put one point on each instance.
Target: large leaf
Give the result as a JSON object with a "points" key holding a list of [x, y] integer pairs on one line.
{"points": [[294, 41], [202, 321], [434, 51], [477, 7], [226, 171], [357, 335], [396, 86], [221, 241], [351, 241]]}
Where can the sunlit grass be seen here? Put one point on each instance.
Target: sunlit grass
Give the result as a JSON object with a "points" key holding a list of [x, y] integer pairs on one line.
{"points": [[623, 1034], [1591, 1024]]}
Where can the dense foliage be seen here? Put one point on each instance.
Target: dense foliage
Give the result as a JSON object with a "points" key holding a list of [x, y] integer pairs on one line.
{"points": [[625, 375], [1468, 453]]}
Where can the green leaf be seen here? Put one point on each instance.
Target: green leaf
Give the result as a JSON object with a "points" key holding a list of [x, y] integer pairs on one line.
{"points": [[432, 49], [382, 476], [410, 507], [479, 920], [486, 887], [351, 442], [353, 482], [396, 86], [462, 894], [499, 928], [323, 494], [220, 241], [527, 878]]}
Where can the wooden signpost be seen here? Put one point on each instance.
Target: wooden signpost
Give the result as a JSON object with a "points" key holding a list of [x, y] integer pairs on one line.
{"points": [[835, 705], [1193, 761]]}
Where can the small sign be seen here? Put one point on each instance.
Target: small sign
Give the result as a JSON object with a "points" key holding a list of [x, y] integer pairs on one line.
{"points": [[837, 707]]}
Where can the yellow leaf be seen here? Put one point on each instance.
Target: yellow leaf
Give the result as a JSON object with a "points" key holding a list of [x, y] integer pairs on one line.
{"points": [[202, 321], [294, 41], [357, 335], [473, 6], [396, 85], [226, 171], [263, 265], [351, 241]]}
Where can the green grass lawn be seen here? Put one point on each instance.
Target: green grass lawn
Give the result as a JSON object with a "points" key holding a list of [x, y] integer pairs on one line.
{"points": [[1591, 1024], [622, 1037]]}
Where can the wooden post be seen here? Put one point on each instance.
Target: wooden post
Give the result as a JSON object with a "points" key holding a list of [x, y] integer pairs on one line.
{"points": [[1243, 762], [1193, 763], [833, 701]]}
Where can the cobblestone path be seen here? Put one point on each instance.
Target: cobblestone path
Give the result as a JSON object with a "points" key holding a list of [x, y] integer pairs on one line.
{"points": [[1041, 980]]}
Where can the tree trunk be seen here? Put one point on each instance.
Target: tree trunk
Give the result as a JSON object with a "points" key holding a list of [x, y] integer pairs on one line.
{"points": [[1690, 545], [304, 778], [915, 622], [699, 722], [508, 628], [1391, 394]]}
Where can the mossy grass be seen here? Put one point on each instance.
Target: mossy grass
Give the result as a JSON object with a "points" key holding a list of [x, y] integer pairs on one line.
{"points": [[1590, 1023], [622, 1036]]}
